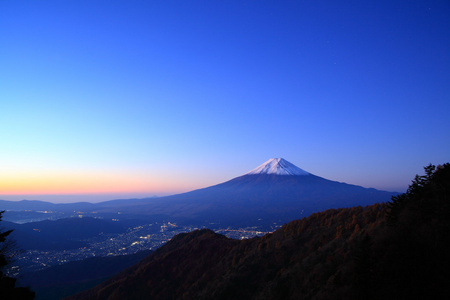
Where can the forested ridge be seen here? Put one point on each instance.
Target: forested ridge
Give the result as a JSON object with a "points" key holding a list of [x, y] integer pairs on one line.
{"points": [[397, 250]]}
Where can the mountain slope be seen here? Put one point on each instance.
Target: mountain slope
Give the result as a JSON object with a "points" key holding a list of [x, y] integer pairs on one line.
{"points": [[282, 265], [277, 191]]}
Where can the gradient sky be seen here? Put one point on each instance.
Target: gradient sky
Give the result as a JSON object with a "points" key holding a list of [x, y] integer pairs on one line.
{"points": [[118, 99]]}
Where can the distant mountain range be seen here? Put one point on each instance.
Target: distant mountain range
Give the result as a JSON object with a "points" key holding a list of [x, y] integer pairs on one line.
{"points": [[276, 191]]}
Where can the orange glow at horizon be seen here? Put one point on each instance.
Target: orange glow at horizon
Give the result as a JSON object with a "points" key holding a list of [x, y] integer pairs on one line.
{"points": [[47, 184]]}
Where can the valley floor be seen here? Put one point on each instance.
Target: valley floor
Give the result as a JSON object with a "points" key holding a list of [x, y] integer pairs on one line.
{"points": [[139, 238]]}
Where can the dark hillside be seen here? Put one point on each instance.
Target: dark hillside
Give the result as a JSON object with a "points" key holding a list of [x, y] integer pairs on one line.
{"points": [[205, 265]]}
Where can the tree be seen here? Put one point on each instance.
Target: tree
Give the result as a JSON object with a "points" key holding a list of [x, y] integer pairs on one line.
{"points": [[414, 261], [8, 290], [428, 197]]}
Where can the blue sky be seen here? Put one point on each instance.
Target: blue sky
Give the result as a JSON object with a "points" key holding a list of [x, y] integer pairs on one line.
{"points": [[107, 99]]}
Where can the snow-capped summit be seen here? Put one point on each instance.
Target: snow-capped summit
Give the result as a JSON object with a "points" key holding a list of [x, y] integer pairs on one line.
{"points": [[277, 166]]}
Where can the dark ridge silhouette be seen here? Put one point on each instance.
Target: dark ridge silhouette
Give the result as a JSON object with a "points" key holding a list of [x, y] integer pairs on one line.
{"points": [[205, 265]]}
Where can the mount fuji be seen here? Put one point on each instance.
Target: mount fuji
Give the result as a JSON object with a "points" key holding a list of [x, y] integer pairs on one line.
{"points": [[275, 192], [277, 166]]}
